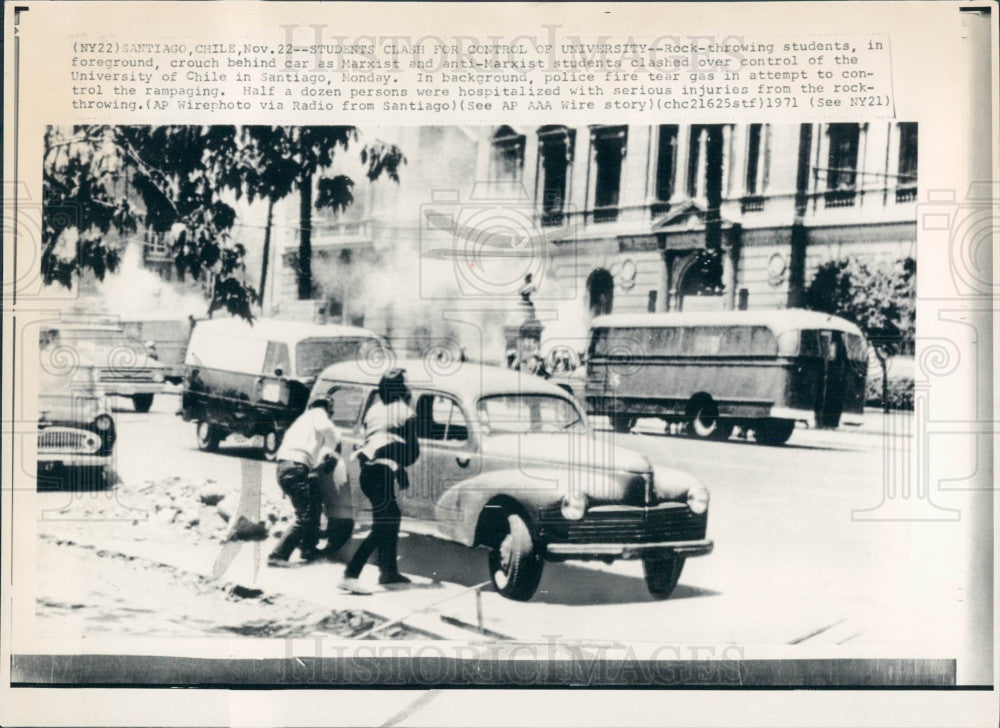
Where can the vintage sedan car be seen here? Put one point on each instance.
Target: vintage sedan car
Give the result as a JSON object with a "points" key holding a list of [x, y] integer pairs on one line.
{"points": [[508, 463], [124, 366], [76, 432]]}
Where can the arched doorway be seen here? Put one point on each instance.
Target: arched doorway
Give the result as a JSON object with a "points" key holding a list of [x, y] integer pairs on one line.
{"points": [[701, 283], [600, 291]]}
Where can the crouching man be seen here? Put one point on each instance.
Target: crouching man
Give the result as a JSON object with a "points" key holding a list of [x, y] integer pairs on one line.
{"points": [[310, 448]]}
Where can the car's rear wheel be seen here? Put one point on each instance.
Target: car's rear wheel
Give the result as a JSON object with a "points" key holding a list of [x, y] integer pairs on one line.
{"points": [[209, 436], [142, 402], [622, 423], [774, 432], [515, 565], [662, 575]]}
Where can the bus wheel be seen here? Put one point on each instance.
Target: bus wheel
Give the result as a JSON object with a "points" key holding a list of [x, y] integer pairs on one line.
{"points": [[703, 420], [773, 432], [622, 423]]}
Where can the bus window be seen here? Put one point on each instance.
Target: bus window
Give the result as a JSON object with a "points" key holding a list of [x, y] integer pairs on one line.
{"points": [[702, 340], [599, 343], [809, 344], [856, 348], [665, 341]]}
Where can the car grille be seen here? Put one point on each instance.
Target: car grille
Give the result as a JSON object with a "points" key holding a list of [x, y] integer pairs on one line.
{"points": [[674, 522], [138, 374], [65, 439]]}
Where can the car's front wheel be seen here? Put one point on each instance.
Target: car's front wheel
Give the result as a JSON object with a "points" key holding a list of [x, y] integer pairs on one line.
{"points": [[515, 565], [662, 575], [142, 402], [209, 436]]}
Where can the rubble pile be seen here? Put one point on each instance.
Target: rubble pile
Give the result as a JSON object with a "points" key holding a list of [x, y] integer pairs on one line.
{"points": [[201, 507]]}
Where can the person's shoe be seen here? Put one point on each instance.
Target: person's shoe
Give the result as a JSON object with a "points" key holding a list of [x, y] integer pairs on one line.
{"points": [[327, 553], [278, 561], [310, 554], [395, 579], [353, 586]]}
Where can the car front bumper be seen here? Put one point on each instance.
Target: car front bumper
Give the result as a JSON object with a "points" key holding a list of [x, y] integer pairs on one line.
{"points": [[48, 460], [129, 389], [661, 549]]}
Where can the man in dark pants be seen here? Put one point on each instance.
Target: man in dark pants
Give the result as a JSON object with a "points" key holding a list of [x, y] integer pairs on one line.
{"points": [[390, 446], [309, 446]]}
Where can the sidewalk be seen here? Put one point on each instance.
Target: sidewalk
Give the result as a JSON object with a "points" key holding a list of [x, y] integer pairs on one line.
{"points": [[876, 422]]}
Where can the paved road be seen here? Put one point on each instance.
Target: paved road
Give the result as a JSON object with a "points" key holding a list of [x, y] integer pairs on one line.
{"points": [[790, 566]]}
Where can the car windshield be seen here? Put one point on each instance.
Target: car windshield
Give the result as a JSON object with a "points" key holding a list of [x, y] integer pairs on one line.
{"points": [[520, 413], [314, 355]]}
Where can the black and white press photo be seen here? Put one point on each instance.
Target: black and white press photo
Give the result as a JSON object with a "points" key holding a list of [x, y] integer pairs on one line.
{"points": [[626, 382]]}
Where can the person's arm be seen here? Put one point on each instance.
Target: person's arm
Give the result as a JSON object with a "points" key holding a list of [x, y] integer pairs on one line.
{"points": [[411, 443]]}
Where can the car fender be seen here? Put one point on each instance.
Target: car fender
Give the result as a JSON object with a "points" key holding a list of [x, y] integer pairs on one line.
{"points": [[458, 510]]}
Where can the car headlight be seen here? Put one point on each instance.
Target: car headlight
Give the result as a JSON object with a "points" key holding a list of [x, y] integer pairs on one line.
{"points": [[698, 499], [574, 506], [104, 423]]}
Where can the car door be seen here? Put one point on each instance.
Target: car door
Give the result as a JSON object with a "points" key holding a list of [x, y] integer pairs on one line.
{"points": [[446, 454]]}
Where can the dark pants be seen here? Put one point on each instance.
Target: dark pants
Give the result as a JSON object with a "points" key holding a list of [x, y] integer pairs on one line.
{"points": [[377, 483], [307, 500]]}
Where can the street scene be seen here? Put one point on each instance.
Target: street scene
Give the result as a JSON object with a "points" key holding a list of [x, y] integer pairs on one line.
{"points": [[631, 383], [790, 565]]}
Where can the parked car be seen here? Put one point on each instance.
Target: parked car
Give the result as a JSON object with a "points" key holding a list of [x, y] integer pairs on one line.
{"points": [[253, 379], [123, 365], [509, 463], [165, 336], [76, 432]]}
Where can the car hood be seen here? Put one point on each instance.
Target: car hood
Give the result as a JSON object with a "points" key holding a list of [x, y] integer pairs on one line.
{"points": [[68, 408], [559, 450]]}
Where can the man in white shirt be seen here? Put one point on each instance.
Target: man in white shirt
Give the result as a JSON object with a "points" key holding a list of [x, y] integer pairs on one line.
{"points": [[310, 445]]}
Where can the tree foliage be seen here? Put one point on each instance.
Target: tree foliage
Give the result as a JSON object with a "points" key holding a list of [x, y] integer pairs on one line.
{"points": [[102, 183], [289, 158]]}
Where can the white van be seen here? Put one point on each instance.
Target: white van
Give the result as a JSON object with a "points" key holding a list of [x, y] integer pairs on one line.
{"points": [[253, 379]]}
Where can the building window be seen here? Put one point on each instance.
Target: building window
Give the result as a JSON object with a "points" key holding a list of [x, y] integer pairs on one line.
{"points": [[842, 164], [906, 181], [666, 168], [758, 164], [555, 152], [508, 155], [608, 143]]}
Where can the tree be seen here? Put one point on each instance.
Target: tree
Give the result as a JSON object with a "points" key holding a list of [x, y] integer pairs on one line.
{"points": [[880, 298], [288, 158], [102, 180]]}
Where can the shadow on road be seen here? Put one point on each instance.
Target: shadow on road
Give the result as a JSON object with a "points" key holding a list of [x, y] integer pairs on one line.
{"points": [[562, 583], [734, 441]]}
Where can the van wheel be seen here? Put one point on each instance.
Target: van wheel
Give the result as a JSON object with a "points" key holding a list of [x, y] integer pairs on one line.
{"points": [[515, 565], [703, 420], [773, 432], [662, 575], [272, 441], [622, 423], [209, 436], [142, 402]]}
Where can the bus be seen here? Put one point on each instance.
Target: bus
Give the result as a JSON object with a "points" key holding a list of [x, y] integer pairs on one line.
{"points": [[762, 371]]}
